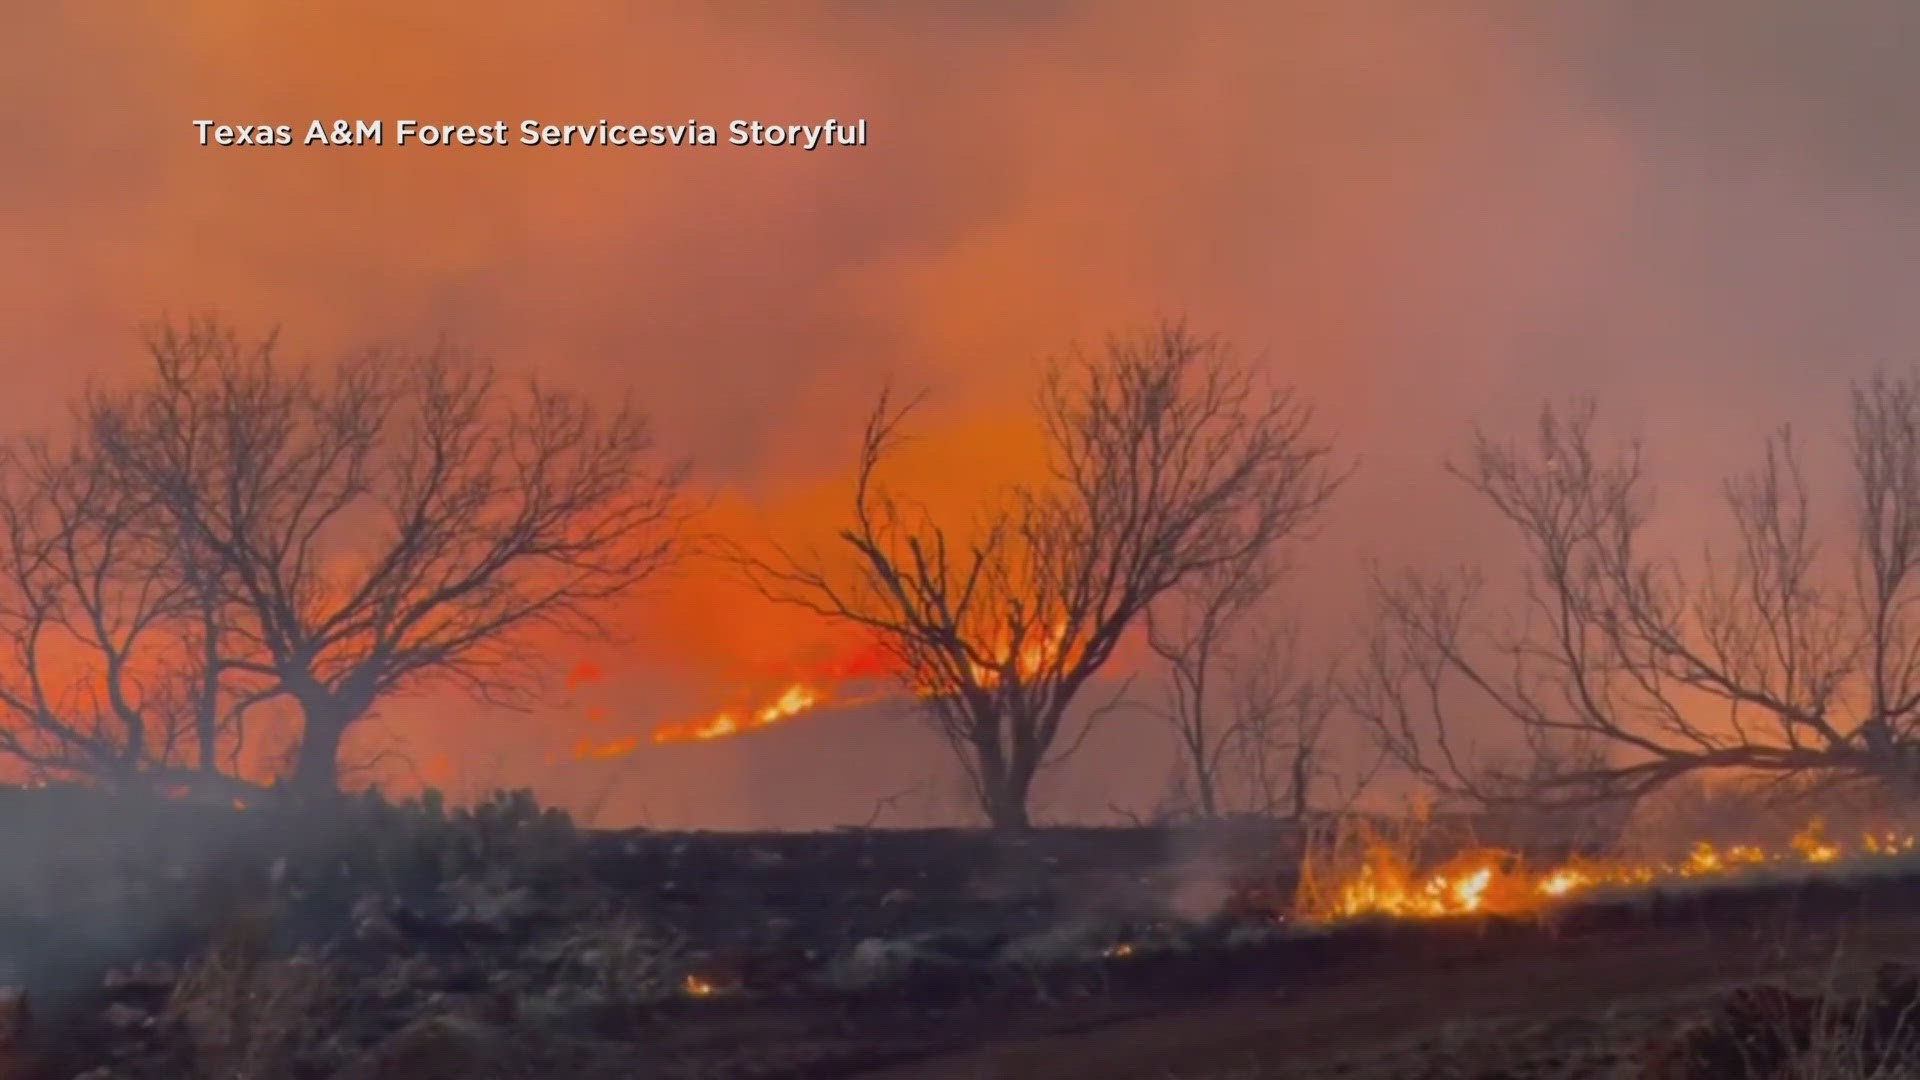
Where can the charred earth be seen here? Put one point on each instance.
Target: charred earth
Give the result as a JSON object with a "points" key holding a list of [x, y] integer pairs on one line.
{"points": [[367, 939]]}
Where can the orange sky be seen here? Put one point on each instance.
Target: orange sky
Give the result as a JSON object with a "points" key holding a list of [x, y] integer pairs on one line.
{"points": [[1423, 218]]}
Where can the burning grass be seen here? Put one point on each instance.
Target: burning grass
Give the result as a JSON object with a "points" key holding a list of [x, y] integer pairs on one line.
{"points": [[1362, 869], [503, 915], [1026, 661], [793, 701]]}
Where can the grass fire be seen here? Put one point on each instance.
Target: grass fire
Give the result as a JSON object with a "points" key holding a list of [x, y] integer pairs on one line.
{"points": [[577, 946], [1386, 884], [960, 541], [793, 701]]}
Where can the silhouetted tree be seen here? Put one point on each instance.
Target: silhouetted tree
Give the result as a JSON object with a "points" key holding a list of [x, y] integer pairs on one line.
{"points": [[85, 613], [1774, 657], [386, 524], [1249, 716], [1168, 458]]}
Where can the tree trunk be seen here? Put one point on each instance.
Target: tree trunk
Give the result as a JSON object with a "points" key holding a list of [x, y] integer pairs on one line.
{"points": [[1303, 774], [316, 768], [1004, 794], [1006, 806], [206, 713], [1203, 782]]}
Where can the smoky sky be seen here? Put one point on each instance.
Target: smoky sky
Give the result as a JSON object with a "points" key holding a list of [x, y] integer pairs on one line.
{"points": [[1425, 216]]}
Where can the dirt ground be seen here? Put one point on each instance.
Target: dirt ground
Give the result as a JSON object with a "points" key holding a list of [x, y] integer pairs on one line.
{"points": [[1585, 1006]]}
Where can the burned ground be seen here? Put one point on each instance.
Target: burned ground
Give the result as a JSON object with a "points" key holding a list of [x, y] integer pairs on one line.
{"points": [[408, 941]]}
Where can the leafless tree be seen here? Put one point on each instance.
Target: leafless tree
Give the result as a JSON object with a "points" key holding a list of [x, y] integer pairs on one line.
{"points": [[1282, 706], [98, 684], [1775, 657], [1169, 458], [1248, 716], [387, 524]]}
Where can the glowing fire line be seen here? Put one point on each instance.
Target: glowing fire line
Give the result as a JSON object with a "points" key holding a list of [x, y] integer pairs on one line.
{"points": [[800, 698], [1487, 881], [793, 701]]}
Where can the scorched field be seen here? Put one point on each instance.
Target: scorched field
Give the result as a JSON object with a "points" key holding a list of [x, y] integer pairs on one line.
{"points": [[413, 941]]}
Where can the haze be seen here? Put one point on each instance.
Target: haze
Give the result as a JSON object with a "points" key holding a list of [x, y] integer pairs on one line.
{"points": [[1707, 217]]}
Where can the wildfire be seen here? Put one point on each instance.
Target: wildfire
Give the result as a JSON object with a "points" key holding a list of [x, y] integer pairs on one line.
{"points": [[1029, 660], [1493, 882], [1384, 885], [796, 699], [1887, 843], [587, 751]]}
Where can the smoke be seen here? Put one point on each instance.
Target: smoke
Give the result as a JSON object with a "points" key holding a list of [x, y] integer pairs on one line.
{"points": [[1426, 217]]}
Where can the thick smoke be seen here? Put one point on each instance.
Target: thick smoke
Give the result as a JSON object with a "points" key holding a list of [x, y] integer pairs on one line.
{"points": [[1425, 217]]}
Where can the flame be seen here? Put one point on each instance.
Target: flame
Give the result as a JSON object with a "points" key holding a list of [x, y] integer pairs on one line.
{"points": [[1810, 845], [695, 986], [1033, 657], [1886, 843], [1386, 884], [587, 751], [796, 699]]}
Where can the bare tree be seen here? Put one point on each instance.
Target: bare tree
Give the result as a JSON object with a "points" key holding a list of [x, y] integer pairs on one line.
{"points": [[1190, 640], [389, 523], [95, 623], [1775, 657], [1249, 719], [1282, 707], [1169, 458]]}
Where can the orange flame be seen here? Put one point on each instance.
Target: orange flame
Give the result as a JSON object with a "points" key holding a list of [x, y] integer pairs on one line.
{"points": [[1387, 885], [796, 699], [804, 696], [1033, 657], [587, 751]]}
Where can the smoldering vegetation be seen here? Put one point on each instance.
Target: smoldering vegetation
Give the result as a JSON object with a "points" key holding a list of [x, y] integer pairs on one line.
{"points": [[172, 938], [369, 937]]}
